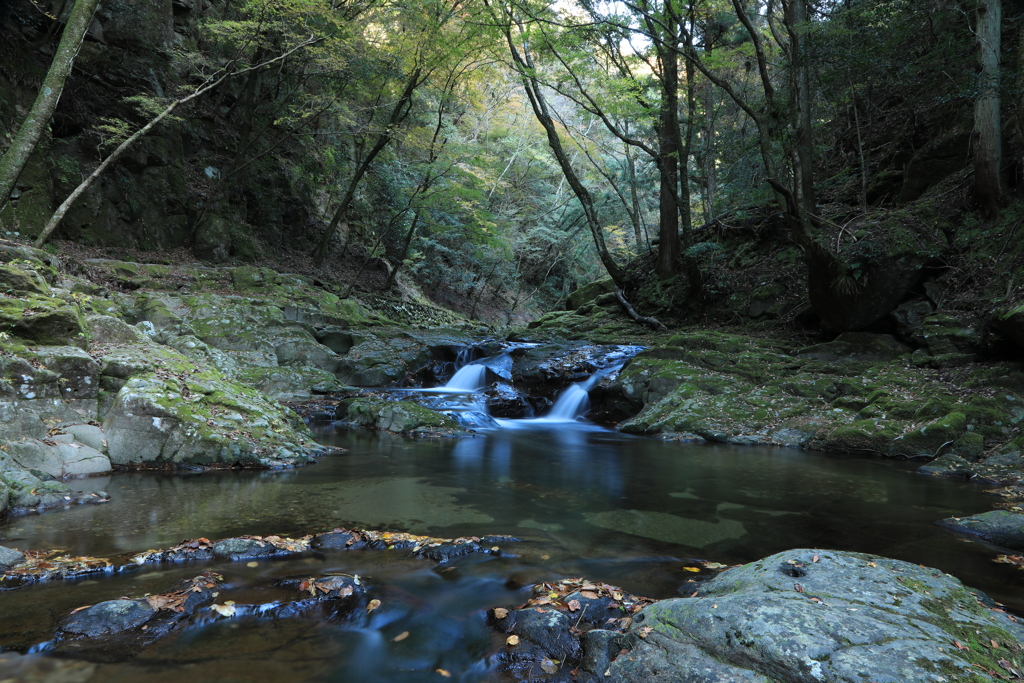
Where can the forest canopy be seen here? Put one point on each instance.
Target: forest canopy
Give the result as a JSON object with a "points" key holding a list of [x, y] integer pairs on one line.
{"points": [[495, 155]]}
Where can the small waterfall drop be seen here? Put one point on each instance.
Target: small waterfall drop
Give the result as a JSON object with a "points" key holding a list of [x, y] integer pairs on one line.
{"points": [[571, 404], [468, 378]]}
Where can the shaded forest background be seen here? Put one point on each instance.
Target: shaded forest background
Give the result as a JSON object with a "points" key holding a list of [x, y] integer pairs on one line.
{"points": [[770, 163]]}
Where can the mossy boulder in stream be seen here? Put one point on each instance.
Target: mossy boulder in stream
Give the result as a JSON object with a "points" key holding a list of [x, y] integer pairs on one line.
{"points": [[820, 615], [395, 416], [169, 411]]}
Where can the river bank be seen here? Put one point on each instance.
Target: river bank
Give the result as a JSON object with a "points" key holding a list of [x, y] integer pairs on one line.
{"points": [[113, 365]]}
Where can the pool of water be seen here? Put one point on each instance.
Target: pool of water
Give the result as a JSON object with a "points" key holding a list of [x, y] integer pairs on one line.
{"points": [[586, 501]]}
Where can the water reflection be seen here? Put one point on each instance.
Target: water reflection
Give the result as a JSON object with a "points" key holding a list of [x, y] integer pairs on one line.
{"points": [[592, 492]]}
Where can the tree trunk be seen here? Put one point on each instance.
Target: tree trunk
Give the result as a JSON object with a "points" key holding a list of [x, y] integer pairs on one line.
{"points": [[797, 23], [987, 132], [524, 65], [669, 148], [17, 155]]}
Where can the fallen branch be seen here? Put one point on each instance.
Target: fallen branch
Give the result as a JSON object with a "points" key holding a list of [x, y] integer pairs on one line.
{"points": [[643, 320]]}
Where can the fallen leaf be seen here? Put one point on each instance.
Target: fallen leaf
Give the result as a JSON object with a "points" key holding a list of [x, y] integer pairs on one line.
{"points": [[798, 588], [401, 636], [224, 610], [444, 673], [512, 641], [645, 631], [872, 564], [589, 595], [691, 569], [374, 604], [573, 605], [252, 564], [993, 643], [815, 558], [549, 666], [960, 646], [500, 612]]}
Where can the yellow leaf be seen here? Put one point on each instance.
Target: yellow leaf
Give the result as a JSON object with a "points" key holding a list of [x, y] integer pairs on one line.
{"points": [[224, 610], [512, 641], [374, 604], [692, 569], [444, 673], [252, 564], [500, 612], [401, 636]]}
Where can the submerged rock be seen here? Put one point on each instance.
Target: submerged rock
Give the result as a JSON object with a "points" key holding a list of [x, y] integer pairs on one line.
{"points": [[829, 616]]}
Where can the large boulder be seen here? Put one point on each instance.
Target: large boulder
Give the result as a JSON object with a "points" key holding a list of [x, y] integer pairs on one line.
{"points": [[806, 616], [61, 457], [168, 411]]}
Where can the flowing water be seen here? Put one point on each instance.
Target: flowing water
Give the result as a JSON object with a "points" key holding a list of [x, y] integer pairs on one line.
{"points": [[584, 500]]}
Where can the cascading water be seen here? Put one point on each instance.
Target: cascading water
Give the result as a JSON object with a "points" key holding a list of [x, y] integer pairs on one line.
{"points": [[572, 404], [461, 399], [468, 378]]}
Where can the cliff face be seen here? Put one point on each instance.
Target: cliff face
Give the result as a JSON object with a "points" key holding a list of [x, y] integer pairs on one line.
{"points": [[168, 190]]}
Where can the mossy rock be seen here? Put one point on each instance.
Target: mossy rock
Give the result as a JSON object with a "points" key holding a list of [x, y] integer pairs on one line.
{"points": [[397, 416], [588, 293], [43, 320], [928, 440]]}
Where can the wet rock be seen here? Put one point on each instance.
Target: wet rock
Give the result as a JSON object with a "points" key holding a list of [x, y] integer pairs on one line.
{"points": [[504, 401], [107, 619], [335, 541], [5, 498], [856, 346], [599, 648], [332, 587], [235, 549], [547, 633], [847, 617], [445, 552], [130, 624], [10, 557], [1001, 527]]}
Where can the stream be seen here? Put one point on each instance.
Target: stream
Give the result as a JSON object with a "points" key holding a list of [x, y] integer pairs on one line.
{"points": [[583, 500]]}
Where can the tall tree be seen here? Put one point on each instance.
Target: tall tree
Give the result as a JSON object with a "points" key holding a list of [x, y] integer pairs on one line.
{"points": [[31, 130], [518, 43], [988, 141]]}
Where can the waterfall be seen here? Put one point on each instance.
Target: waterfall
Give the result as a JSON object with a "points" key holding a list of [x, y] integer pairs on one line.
{"points": [[468, 378], [571, 404]]}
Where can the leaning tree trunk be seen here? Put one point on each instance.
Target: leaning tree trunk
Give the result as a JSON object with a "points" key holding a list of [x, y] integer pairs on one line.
{"points": [[17, 155], [987, 132]]}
